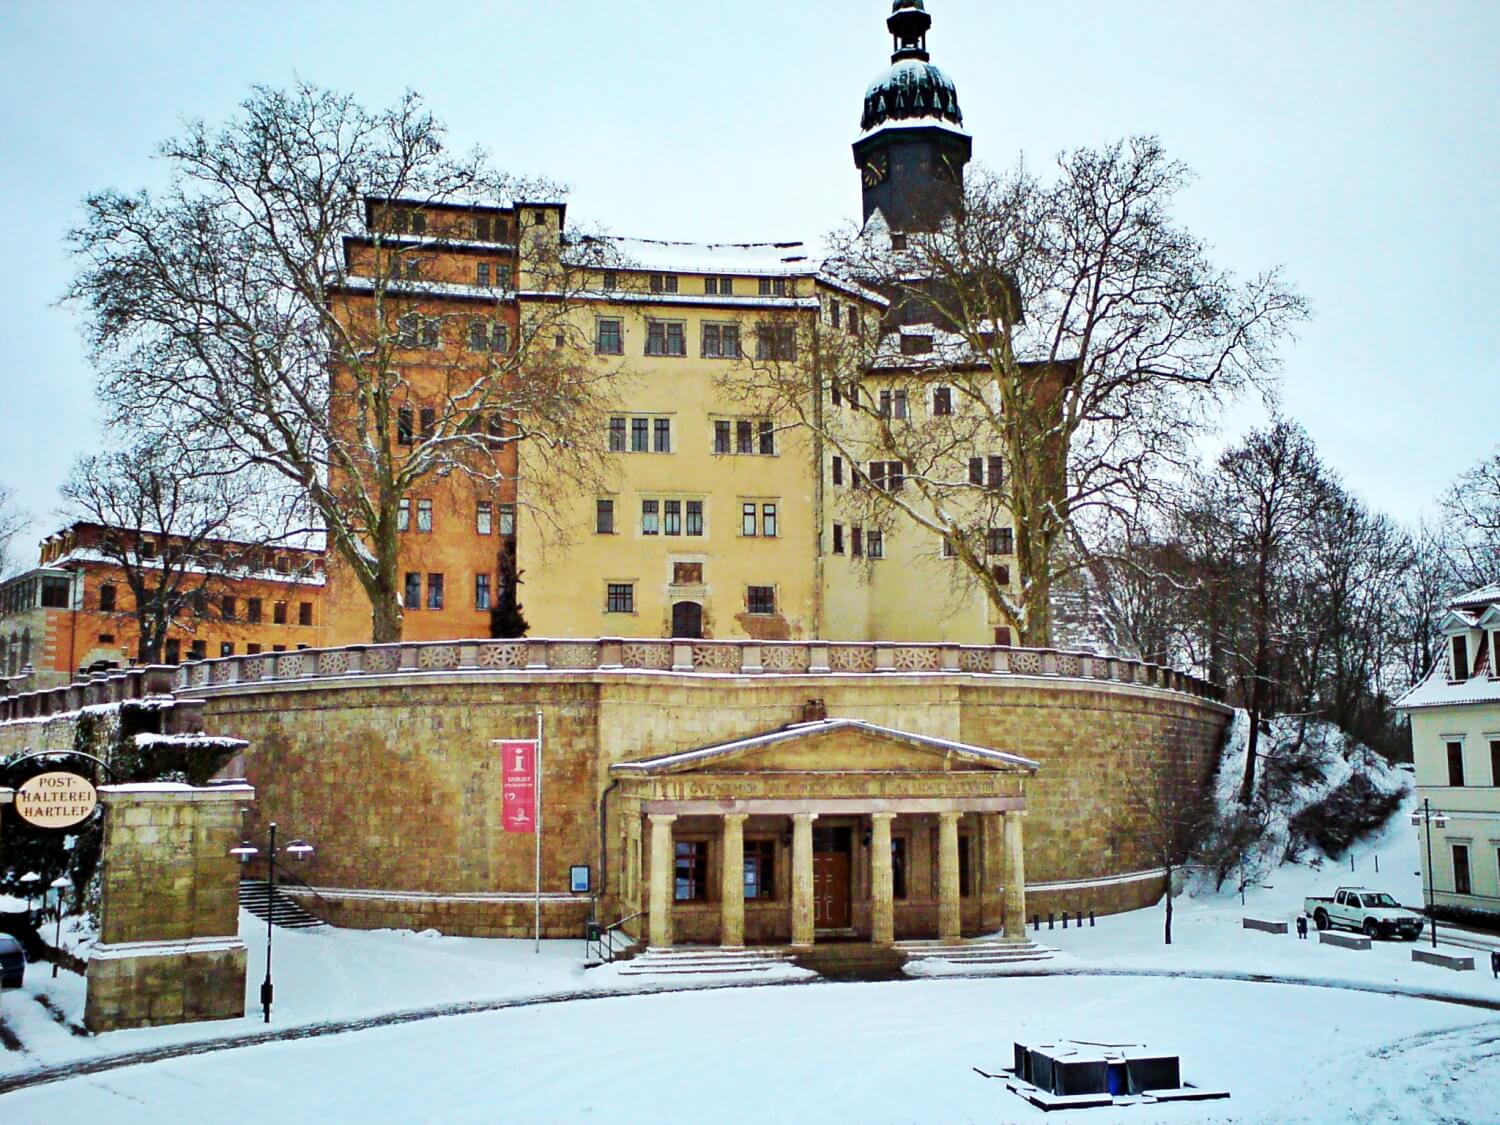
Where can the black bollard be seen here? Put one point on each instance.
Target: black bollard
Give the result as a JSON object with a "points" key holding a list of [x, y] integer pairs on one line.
{"points": [[1495, 963], [1036, 921], [1049, 919], [1065, 919], [1091, 919]]}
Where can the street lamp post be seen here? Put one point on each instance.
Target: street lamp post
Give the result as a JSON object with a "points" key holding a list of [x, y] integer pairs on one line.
{"points": [[60, 884], [299, 850], [31, 879], [1430, 816]]}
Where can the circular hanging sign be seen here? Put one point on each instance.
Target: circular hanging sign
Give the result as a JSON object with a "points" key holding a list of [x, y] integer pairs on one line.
{"points": [[56, 800]]}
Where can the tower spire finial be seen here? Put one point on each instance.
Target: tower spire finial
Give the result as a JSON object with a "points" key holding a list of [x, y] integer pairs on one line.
{"points": [[908, 25]]}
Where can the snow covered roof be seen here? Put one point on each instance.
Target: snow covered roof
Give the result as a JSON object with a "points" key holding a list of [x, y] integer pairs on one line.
{"points": [[687, 758], [1484, 596], [764, 259], [1438, 691]]}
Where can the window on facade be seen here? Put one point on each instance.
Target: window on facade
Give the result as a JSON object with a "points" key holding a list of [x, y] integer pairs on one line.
{"points": [[434, 591], [1495, 763], [721, 341], [172, 652], [405, 426], [424, 515], [252, 649], [776, 341], [835, 314], [604, 517], [838, 470], [107, 598], [619, 598], [836, 391], [278, 648], [611, 281], [1456, 764], [690, 872], [428, 419], [857, 541], [508, 520], [744, 437], [304, 613], [482, 274], [1462, 884], [662, 435], [650, 517], [760, 869], [942, 401], [887, 475], [721, 436], [418, 223], [1002, 636], [487, 337], [484, 517], [768, 520], [226, 648], [976, 471], [671, 517], [1000, 541], [838, 539], [950, 551], [617, 435], [994, 472], [695, 517], [663, 283], [767, 437], [283, 565], [640, 435], [413, 593], [760, 599], [718, 286], [778, 287], [1460, 658], [610, 338], [874, 544], [747, 519], [403, 514], [1001, 573], [228, 608], [253, 610], [148, 549], [198, 650], [666, 337], [898, 867], [278, 613], [885, 404], [855, 321], [481, 591]]}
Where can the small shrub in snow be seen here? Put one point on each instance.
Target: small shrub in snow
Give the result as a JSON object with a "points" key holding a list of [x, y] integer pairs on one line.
{"points": [[1356, 809]]}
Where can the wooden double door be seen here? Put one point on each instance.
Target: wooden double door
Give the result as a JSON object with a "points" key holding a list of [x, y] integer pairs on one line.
{"points": [[831, 878]]}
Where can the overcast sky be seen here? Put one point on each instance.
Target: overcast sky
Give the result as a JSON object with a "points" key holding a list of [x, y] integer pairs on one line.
{"points": [[1355, 143]]}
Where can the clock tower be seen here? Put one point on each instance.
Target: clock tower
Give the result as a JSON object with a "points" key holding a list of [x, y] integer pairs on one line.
{"points": [[912, 150]]}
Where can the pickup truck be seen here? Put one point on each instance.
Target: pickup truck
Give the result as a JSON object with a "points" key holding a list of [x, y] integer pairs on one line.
{"points": [[1359, 908]]}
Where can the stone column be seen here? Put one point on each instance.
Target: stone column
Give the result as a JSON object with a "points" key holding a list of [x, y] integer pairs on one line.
{"points": [[663, 864], [802, 879], [6, 797], [992, 871], [950, 920], [732, 882], [1015, 877], [882, 880]]}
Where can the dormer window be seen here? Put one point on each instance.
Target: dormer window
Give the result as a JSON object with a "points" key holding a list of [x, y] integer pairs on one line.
{"points": [[916, 345], [1460, 659]]}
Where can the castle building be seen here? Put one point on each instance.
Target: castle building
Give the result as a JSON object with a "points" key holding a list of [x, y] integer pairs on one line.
{"points": [[717, 515]]}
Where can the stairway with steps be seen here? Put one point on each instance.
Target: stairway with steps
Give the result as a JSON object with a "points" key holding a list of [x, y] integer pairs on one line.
{"points": [[255, 896], [978, 952], [686, 960]]}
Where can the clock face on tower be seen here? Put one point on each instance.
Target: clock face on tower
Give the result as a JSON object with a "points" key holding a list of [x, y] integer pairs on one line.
{"points": [[877, 168]]}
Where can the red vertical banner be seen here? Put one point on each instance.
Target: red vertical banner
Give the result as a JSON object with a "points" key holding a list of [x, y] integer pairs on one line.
{"points": [[518, 808]]}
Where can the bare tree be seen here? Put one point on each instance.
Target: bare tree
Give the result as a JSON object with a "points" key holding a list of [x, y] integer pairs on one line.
{"points": [[12, 523], [163, 514], [1471, 512], [1056, 346], [230, 309], [1166, 812]]}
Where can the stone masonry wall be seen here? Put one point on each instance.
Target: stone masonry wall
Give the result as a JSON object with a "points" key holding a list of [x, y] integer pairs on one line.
{"points": [[396, 781]]}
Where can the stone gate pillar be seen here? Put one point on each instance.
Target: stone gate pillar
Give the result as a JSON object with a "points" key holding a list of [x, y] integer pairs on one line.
{"points": [[169, 949]]}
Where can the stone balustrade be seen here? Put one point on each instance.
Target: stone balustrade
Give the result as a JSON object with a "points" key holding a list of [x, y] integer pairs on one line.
{"points": [[730, 658]]}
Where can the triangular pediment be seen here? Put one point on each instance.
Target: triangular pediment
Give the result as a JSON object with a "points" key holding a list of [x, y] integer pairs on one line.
{"points": [[830, 746]]}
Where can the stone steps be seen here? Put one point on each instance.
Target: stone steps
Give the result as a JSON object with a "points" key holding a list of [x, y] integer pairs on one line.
{"points": [[985, 951], [255, 896], [852, 961], [687, 962]]}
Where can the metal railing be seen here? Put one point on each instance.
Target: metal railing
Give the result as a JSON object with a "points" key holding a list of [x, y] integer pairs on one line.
{"points": [[599, 944]]}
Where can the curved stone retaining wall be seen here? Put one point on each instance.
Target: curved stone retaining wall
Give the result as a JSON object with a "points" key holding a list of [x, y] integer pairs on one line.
{"points": [[383, 756]]}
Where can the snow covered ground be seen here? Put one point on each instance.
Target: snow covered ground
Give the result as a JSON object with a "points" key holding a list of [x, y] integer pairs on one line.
{"points": [[899, 1052]]}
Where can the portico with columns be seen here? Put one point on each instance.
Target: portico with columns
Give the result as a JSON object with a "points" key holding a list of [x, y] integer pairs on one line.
{"points": [[830, 830]]}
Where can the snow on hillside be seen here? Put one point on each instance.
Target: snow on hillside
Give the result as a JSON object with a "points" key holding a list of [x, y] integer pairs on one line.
{"points": [[1300, 762]]}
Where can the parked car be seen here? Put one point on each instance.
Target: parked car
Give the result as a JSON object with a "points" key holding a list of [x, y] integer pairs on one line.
{"points": [[1376, 913], [12, 962]]}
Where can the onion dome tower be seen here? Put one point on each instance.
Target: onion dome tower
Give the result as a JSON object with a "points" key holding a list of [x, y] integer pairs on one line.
{"points": [[912, 150]]}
